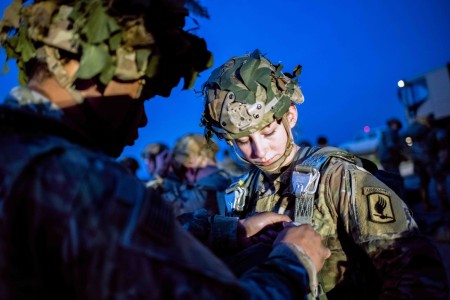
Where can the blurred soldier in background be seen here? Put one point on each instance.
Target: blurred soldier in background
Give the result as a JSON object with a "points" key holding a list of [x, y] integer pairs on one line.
{"points": [[429, 153], [195, 181], [157, 158], [74, 223], [130, 163], [322, 141], [391, 147]]}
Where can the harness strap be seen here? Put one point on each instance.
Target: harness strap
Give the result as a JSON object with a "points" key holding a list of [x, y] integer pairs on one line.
{"points": [[305, 180]]}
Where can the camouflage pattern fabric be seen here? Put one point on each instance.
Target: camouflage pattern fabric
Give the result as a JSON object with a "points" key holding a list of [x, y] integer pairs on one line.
{"points": [[191, 149], [246, 94], [122, 40], [377, 250], [76, 225], [184, 197]]}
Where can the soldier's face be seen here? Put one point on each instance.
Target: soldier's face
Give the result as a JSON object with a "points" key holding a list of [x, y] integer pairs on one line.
{"points": [[264, 146], [267, 145]]}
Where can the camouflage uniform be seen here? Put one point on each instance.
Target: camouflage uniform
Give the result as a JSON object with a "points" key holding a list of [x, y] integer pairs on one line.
{"points": [[76, 225], [374, 249], [196, 181], [377, 250]]}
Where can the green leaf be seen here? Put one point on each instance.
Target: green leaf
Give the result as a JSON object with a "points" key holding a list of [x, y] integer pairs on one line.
{"points": [[115, 41], [93, 61], [152, 67], [190, 80], [107, 73], [25, 46], [142, 56], [97, 25]]}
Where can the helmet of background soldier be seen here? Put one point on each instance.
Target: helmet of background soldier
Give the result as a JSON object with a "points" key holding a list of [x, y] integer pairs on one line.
{"points": [[394, 121], [112, 39], [246, 94], [130, 163], [194, 151], [153, 150]]}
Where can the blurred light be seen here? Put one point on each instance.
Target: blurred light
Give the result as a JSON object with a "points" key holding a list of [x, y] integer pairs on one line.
{"points": [[409, 141], [366, 129], [401, 83]]}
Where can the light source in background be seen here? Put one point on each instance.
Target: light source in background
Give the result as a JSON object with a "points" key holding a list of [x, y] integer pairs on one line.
{"points": [[401, 83], [409, 141], [366, 129]]}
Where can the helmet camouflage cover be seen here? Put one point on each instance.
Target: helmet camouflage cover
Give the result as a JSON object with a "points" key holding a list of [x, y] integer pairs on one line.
{"points": [[190, 147], [121, 39], [246, 94]]}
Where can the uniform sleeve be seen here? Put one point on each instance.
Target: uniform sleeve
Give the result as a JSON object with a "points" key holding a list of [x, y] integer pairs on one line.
{"points": [[218, 232], [380, 223], [280, 276], [109, 237]]}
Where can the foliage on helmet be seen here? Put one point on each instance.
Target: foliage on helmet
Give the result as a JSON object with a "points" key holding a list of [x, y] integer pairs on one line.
{"points": [[246, 94], [124, 40]]}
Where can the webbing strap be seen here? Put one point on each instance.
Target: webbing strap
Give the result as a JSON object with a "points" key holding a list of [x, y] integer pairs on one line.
{"points": [[305, 180]]}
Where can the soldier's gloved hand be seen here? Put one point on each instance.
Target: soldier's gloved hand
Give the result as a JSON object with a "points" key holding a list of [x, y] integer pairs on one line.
{"points": [[308, 240], [261, 227]]}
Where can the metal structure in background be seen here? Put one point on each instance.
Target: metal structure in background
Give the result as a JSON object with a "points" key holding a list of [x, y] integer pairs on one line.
{"points": [[428, 94]]}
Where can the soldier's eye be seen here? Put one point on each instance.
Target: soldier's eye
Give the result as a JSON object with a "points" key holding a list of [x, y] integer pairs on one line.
{"points": [[241, 142]]}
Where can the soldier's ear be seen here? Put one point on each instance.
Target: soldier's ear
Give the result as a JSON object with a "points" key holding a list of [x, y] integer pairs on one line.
{"points": [[292, 115]]}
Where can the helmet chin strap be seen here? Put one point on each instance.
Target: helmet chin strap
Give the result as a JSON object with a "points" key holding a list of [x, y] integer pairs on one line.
{"points": [[275, 167]]}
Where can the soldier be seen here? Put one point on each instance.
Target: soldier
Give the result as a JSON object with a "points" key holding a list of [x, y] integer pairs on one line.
{"points": [[157, 158], [391, 147], [195, 181], [130, 163], [74, 223], [377, 250]]}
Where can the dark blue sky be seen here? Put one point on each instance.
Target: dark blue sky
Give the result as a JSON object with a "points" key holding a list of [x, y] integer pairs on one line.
{"points": [[353, 53]]}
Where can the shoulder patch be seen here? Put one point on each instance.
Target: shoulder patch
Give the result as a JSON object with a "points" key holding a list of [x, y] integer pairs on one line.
{"points": [[380, 208]]}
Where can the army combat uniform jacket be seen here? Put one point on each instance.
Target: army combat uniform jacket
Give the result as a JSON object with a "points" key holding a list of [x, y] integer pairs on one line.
{"points": [[75, 225], [377, 250]]}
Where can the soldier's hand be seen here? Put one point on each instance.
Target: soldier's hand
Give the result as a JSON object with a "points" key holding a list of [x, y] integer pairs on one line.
{"points": [[308, 239], [260, 227]]}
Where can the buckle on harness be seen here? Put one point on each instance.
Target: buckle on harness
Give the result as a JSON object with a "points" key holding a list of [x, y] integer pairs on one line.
{"points": [[305, 180]]}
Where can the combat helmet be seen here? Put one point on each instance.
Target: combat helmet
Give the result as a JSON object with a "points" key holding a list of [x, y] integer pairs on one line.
{"points": [[193, 150], [246, 94], [125, 40]]}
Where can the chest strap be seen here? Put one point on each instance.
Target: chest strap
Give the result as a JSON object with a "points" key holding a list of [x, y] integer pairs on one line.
{"points": [[305, 180]]}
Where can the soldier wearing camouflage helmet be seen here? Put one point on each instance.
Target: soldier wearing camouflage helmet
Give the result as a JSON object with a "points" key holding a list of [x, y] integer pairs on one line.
{"points": [[74, 223], [157, 158], [375, 241], [195, 182]]}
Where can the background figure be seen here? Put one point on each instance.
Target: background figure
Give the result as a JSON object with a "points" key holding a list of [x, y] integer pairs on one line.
{"points": [[130, 163], [391, 147], [322, 141], [304, 143], [429, 154], [157, 158], [195, 180]]}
